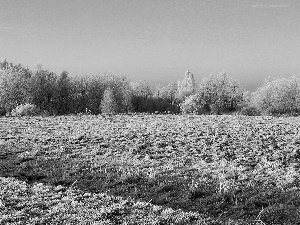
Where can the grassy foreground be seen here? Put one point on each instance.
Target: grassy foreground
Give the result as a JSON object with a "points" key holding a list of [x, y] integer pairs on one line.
{"points": [[166, 169], [41, 204]]}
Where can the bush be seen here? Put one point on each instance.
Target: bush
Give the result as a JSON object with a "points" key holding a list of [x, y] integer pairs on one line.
{"points": [[250, 111], [25, 110]]}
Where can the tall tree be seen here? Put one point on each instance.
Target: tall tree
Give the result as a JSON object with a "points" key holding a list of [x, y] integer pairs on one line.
{"points": [[95, 89], [121, 89], [141, 96], [43, 90], [108, 103], [79, 94], [169, 92], [165, 98], [219, 93], [141, 89], [14, 86], [187, 86], [63, 93]]}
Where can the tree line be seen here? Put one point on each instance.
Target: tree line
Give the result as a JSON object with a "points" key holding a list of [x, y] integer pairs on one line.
{"points": [[54, 94], [62, 94]]}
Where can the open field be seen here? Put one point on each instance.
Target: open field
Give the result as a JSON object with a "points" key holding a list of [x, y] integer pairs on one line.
{"points": [[208, 169]]}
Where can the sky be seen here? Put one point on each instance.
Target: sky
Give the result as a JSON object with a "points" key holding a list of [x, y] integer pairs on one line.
{"points": [[155, 40]]}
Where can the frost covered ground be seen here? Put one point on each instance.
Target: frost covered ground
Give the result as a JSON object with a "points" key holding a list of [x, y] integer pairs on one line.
{"points": [[150, 169]]}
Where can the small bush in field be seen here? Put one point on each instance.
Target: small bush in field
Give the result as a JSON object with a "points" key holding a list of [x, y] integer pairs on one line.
{"points": [[250, 111], [25, 110]]}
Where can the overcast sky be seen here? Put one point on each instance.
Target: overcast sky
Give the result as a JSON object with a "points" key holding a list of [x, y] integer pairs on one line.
{"points": [[155, 40]]}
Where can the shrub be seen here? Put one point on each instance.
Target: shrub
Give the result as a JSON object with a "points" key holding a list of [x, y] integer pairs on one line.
{"points": [[250, 111], [25, 110]]}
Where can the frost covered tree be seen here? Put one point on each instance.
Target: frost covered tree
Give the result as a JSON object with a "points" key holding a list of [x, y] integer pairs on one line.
{"points": [[187, 86], [108, 104], [43, 89], [141, 96], [63, 94], [169, 92], [216, 94], [3, 64], [278, 96], [220, 94], [141, 89], [14, 86], [122, 91]]}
